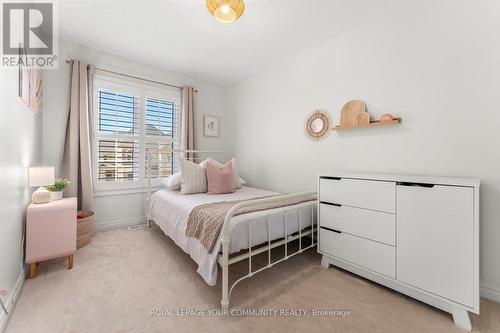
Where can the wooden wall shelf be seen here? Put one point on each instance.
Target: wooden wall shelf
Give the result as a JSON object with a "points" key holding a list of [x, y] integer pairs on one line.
{"points": [[371, 124]]}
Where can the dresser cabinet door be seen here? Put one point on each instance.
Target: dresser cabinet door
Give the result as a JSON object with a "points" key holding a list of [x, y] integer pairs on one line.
{"points": [[435, 240]]}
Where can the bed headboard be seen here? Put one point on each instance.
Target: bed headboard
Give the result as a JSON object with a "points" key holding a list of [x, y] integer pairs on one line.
{"points": [[171, 158], [200, 155]]}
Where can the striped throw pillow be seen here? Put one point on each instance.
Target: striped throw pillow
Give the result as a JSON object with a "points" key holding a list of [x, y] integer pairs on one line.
{"points": [[193, 178]]}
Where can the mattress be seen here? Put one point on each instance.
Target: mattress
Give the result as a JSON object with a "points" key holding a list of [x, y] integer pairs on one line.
{"points": [[170, 211]]}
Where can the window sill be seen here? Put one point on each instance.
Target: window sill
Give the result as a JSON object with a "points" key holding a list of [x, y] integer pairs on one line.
{"points": [[125, 191]]}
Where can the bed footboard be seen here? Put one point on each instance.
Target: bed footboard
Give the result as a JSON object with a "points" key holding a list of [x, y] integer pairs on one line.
{"points": [[224, 260]]}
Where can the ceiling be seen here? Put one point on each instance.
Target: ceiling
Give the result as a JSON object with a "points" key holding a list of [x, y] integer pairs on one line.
{"points": [[181, 36]]}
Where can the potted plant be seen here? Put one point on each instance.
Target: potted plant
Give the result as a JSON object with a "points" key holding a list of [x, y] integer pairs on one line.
{"points": [[57, 189]]}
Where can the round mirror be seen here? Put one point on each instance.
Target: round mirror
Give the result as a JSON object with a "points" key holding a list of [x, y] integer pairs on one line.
{"points": [[317, 125]]}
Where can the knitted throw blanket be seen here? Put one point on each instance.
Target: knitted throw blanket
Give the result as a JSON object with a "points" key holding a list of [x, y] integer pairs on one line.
{"points": [[205, 221]]}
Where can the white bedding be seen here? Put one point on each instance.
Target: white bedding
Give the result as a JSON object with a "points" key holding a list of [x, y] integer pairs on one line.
{"points": [[170, 211]]}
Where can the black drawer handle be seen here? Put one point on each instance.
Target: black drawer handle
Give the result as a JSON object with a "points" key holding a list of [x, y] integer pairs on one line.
{"points": [[329, 229], [331, 178], [415, 184], [331, 204]]}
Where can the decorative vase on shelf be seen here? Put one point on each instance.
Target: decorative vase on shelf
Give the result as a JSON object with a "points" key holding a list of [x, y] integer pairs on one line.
{"points": [[386, 118], [57, 195]]}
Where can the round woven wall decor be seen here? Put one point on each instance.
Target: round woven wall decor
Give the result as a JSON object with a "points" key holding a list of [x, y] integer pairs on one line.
{"points": [[317, 125]]}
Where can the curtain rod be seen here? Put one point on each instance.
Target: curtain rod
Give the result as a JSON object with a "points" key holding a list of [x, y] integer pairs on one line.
{"points": [[135, 77]]}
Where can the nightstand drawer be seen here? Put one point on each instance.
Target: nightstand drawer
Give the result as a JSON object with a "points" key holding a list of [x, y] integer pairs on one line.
{"points": [[377, 226], [372, 255], [369, 194]]}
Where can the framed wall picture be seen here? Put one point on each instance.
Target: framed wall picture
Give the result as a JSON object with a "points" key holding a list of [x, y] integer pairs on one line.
{"points": [[35, 90], [210, 126], [24, 77], [30, 84]]}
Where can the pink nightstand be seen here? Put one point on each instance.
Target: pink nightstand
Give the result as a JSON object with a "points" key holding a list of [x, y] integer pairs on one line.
{"points": [[50, 232]]}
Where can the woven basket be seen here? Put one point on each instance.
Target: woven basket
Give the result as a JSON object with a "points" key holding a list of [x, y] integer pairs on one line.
{"points": [[84, 228]]}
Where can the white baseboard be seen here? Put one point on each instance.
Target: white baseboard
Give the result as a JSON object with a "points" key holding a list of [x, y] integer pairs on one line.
{"points": [[120, 223], [490, 294], [11, 301]]}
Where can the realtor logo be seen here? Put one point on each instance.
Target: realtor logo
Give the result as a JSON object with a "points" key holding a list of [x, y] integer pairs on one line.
{"points": [[29, 34]]}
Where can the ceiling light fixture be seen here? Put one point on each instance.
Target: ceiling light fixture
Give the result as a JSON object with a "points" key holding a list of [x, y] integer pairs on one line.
{"points": [[226, 11]]}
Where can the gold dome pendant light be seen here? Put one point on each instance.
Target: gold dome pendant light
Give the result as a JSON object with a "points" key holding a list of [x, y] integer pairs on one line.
{"points": [[226, 11]]}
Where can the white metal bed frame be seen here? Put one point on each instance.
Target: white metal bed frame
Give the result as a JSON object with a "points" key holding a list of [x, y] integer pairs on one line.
{"points": [[223, 258]]}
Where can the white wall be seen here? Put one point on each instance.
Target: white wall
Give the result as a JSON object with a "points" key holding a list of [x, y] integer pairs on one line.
{"points": [[20, 147], [436, 64], [123, 209]]}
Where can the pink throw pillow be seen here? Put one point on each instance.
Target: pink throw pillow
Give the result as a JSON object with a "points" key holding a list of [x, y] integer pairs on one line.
{"points": [[220, 179]]}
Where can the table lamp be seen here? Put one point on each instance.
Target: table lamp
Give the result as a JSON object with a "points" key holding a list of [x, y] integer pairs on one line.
{"points": [[41, 176]]}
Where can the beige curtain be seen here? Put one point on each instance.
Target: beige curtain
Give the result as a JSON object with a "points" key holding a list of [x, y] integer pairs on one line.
{"points": [[187, 121], [77, 165]]}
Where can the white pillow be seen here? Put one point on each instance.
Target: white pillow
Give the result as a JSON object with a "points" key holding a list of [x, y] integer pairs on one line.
{"points": [[193, 178], [237, 180], [236, 173], [173, 182]]}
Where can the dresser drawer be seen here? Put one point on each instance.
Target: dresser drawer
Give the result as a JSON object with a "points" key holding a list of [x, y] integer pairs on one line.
{"points": [[377, 226], [370, 194], [372, 255]]}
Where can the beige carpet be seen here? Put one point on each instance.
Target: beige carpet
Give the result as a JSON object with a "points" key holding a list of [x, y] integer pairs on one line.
{"points": [[122, 276]]}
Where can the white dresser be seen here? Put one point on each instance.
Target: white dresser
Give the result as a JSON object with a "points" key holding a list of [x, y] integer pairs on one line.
{"points": [[417, 235]]}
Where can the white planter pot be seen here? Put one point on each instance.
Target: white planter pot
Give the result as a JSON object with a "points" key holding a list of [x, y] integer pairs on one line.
{"points": [[56, 196]]}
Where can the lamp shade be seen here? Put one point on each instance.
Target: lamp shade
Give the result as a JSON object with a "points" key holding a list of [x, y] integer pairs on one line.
{"points": [[41, 176], [226, 11]]}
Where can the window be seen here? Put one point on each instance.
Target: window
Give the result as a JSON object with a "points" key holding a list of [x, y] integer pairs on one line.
{"points": [[161, 128], [118, 130], [133, 122]]}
